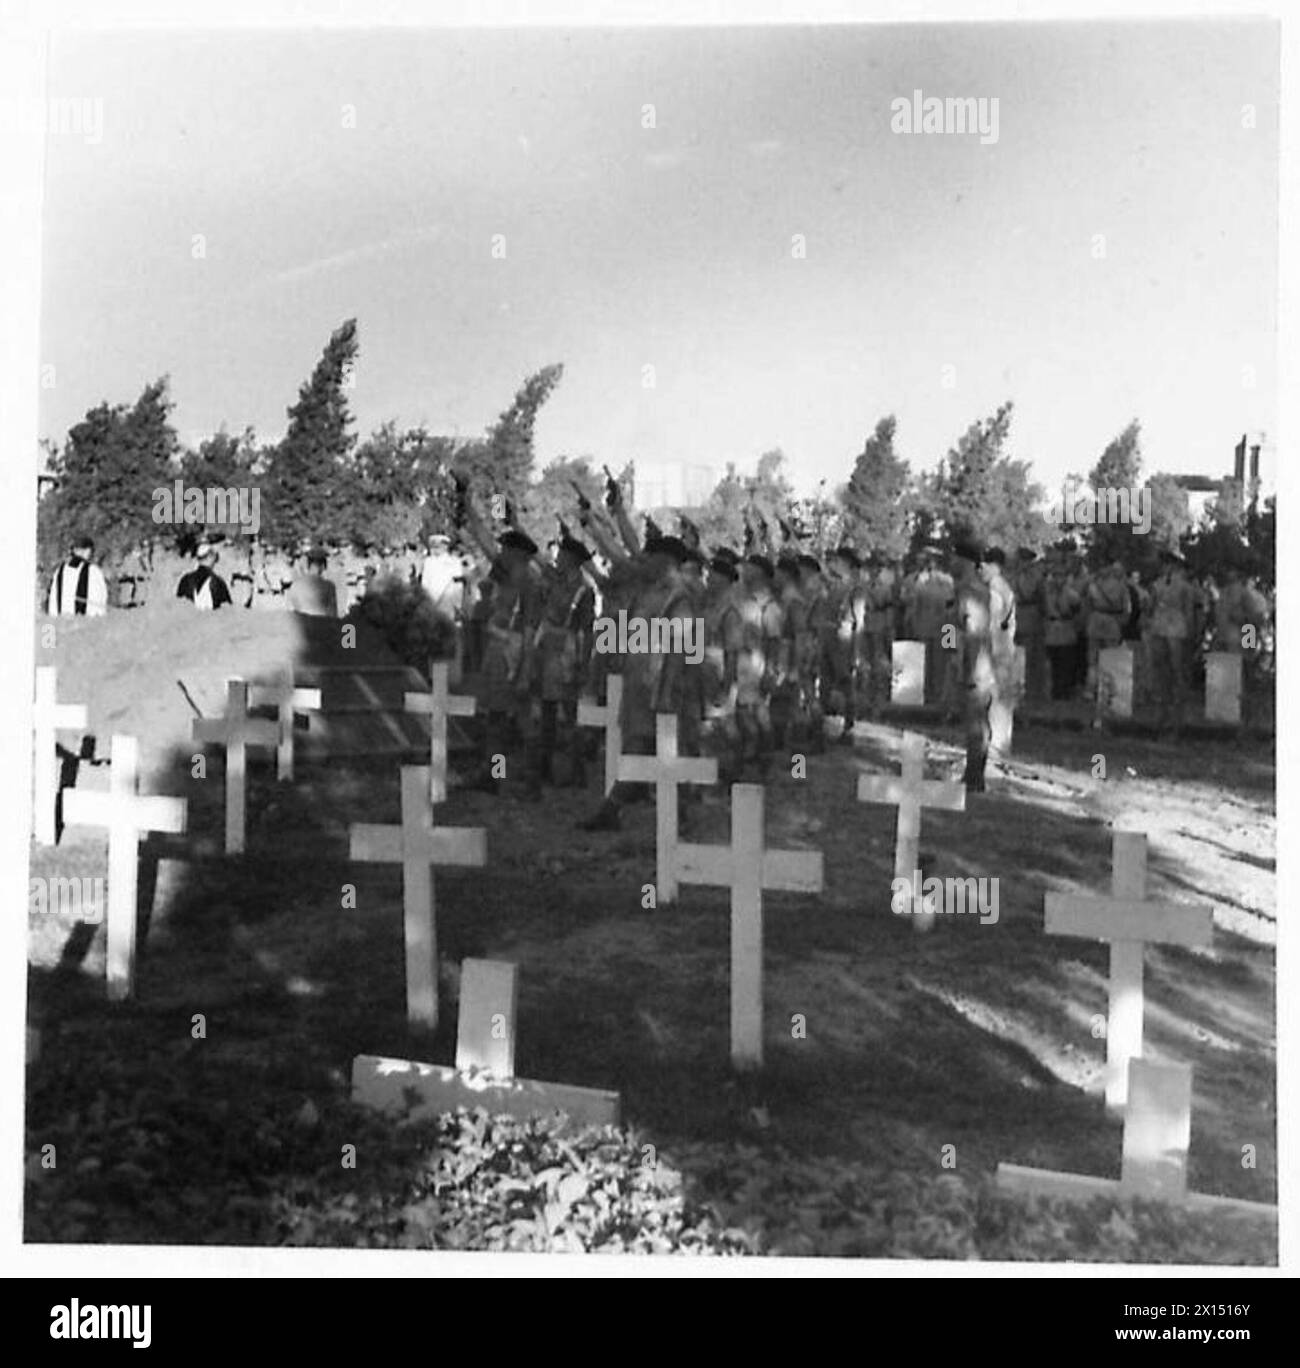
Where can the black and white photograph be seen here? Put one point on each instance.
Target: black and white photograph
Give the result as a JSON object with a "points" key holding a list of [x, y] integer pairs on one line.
{"points": [[650, 639]]}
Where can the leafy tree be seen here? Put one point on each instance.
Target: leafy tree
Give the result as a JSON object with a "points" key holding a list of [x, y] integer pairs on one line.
{"points": [[979, 489], [1118, 467], [309, 469], [510, 439], [105, 477], [761, 500], [381, 495], [878, 498], [553, 496]]}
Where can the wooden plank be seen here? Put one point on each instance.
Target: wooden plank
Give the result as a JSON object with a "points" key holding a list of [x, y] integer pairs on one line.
{"points": [[1112, 919], [485, 1034], [384, 1085]]}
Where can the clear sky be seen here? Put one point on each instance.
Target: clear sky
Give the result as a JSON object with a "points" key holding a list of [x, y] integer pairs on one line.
{"points": [[628, 246]]}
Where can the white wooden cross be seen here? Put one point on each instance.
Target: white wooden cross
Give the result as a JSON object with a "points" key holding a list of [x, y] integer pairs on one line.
{"points": [[284, 697], [126, 814], [1153, 1166], [591, 714], [440, 705], [747, 868], [1127, 919], [418, 845], [235, 730], [665, 769], [484, 1075], [911, 793], [49, 718]]}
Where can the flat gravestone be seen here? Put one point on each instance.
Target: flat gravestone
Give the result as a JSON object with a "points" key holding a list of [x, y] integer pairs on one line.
{"points": [[1223, 687], [747, 867], [590, 714], [49, 717], [484, 1072], [907, 679], [665, 769], [1153, 1166], [1127, 920], [1115, 681], [485, 1029], [126, 814]]}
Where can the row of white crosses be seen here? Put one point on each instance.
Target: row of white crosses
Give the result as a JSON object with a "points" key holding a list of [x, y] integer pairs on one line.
{"points": [[746, 866], [1154, 1099]]}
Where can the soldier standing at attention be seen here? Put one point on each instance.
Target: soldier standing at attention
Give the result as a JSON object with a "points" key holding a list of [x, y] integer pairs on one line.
{"points": [[840, 633], [1173, 608], [1029, 586], [880, 597], [978, 680], [1108, 610], [78, 588]]}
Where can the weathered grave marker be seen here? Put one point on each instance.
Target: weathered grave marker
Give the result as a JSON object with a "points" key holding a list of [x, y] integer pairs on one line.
{"points": [[1223, 687], [126, 814], [911, 792], [1128, 920], [665, 769], [1115, 681], [1153, 1166], [484, 1075], [418, 845], [746, 867], [284, 697], [908, 674], [439, 704], [235, 731], [592, 715], [49, 717]]}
